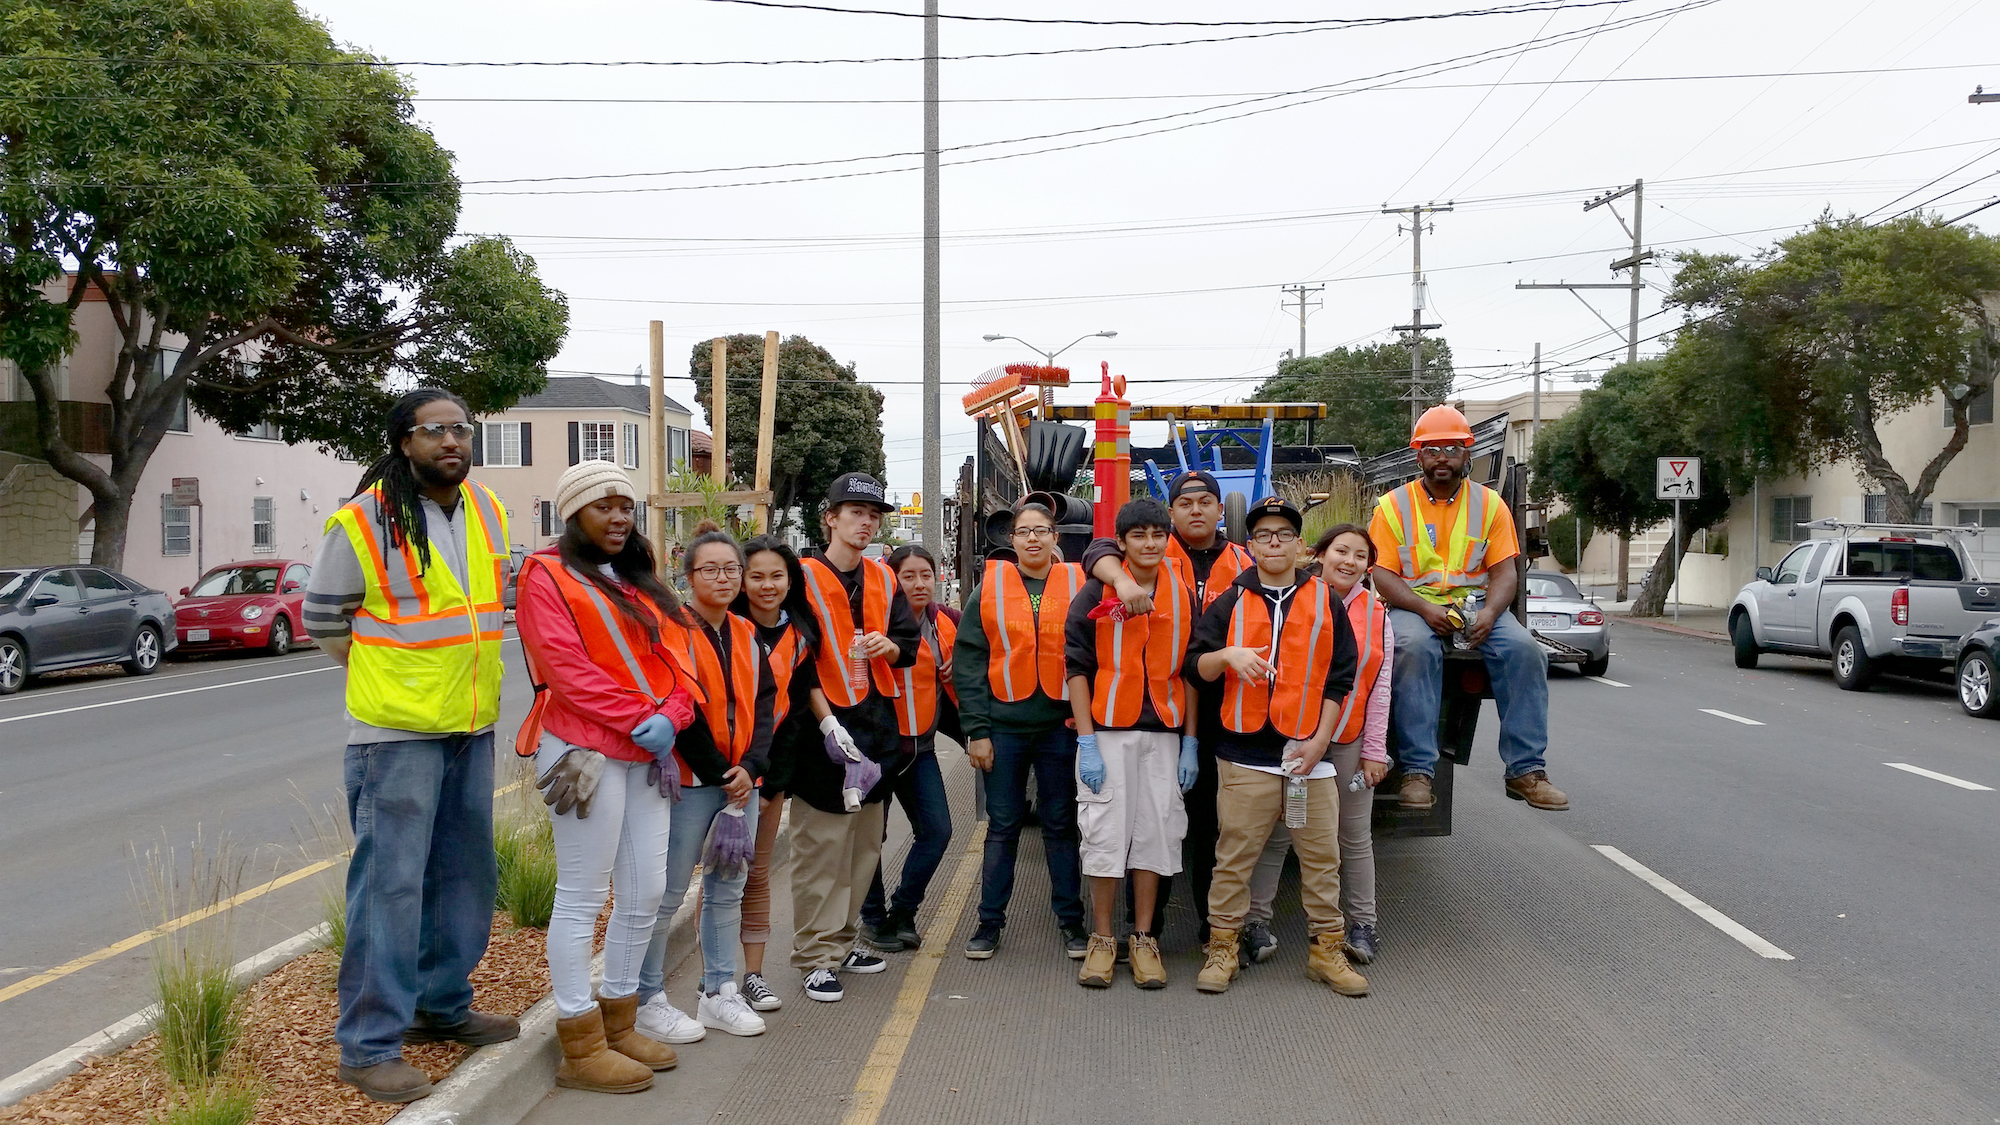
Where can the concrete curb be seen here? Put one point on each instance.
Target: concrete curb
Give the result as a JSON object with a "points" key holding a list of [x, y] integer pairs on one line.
{"points": [[34, 1079], [1679, 630]]}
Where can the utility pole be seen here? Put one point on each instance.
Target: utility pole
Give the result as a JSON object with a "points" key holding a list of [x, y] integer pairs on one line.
{"points": [[932, 527], [1639, 256], [1416, 326], [1301, 292], [1535, 430]]}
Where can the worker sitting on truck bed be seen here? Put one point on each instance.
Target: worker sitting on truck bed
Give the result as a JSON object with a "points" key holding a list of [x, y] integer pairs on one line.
{"points": [[1438, 539]]}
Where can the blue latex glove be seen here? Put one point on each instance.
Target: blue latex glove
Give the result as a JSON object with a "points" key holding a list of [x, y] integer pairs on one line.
{"points": [[1089, 763], [655, 735], [1190, 764]]}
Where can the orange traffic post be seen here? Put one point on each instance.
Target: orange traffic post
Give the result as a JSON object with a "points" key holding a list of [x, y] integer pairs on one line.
{"points": [[1104, 515], [1124, 440]]}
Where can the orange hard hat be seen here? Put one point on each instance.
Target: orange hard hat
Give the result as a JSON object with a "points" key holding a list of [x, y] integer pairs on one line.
{"points": [[1441, 423]]}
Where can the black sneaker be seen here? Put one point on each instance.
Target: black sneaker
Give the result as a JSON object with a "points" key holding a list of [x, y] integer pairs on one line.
{"points": [[759, 994], [881, 936], [862, 961], [1361, 943], [984, 941], [1259, 943], [1076, 940], [904, 926], [821, 984]]}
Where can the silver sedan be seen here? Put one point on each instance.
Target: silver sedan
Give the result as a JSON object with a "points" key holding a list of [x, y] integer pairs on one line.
{"points": [[1558, 612]]}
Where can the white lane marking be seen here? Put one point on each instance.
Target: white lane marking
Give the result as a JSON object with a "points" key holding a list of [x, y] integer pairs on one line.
{"points": [[1701, 909], [1607, 681], [126, 681], [1936, 776], [1730, 717], [166, 694]]}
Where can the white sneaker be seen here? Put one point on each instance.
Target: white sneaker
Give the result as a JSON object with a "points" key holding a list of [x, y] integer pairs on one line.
{"points": [[660, 1020], [728, 1011]]}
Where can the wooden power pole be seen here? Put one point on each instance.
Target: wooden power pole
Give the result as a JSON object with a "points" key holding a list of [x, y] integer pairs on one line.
{"points": [[657, 355], [767, 413]]}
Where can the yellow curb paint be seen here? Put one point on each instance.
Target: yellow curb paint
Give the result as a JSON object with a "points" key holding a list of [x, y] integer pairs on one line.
{"points": [[878, 1074]]}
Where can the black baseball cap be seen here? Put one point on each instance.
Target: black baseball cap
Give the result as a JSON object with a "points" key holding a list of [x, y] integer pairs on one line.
{"points": [[859, 488], [1194, 480], [1274, 506]]}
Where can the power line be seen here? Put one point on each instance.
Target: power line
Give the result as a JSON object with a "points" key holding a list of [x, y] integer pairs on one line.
{"points": [[1363, 21]]}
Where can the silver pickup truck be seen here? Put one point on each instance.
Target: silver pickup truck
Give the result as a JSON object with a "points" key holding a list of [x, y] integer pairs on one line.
{"points": [[1874, 597]]}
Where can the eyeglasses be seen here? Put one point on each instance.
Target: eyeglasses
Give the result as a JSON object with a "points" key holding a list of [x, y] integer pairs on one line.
{"points": [[713, 573], [435, 430], [1034, 533], [1280, 535], [1438, 450]]}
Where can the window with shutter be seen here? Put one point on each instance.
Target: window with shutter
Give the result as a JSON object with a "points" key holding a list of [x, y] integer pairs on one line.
{"points": [[527, 452], [575, 444]]}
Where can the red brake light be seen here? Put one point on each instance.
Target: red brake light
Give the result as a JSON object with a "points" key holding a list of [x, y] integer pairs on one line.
{"points": [[1590, 617], [1895, 539], [1899, 606]]}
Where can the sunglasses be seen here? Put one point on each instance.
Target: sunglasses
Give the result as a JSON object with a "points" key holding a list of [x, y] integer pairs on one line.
{"points": [[437, 430]]}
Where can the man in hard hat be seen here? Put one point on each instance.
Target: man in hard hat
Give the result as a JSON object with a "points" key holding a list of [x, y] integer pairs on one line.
{"points": [[1439, 539]]}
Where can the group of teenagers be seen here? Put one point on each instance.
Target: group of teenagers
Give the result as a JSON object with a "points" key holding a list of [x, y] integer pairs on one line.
{"points": [[1177, 700]]}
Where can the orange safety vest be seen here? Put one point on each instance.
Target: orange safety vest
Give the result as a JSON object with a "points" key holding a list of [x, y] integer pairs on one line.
{"points": [[726, 698], [1457, 561], [917, 710], [1140, 658], [786, 659], [836, 626], [1367, 614], [1233, 561], [614, 641], [1026, 643], [1304, 653]]}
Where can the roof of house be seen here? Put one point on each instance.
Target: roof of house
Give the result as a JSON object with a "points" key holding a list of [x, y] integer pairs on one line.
{"points": [[592, 393]]}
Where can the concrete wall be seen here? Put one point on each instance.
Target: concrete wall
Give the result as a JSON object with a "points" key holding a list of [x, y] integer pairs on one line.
{"points": [[37, 514]]}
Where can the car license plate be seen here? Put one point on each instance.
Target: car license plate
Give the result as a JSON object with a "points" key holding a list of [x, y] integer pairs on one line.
{"points": [[1548, 620], [197, 635]]}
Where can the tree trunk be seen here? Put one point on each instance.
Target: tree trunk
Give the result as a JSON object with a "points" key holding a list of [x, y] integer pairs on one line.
{"points": [[1659, 580], [1623, 567], [113, 521]]}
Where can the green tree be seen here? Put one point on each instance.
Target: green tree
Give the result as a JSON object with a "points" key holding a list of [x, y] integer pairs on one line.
{"points": [[222, 172], [828, 421], [1364, 391], [1796, 357]]}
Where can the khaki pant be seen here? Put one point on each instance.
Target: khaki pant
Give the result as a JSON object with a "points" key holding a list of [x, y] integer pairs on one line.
{"points": [[1248, 803], [833, 858]]}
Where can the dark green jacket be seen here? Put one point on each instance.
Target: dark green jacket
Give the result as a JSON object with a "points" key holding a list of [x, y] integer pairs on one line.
{"points": [[978, 711]]}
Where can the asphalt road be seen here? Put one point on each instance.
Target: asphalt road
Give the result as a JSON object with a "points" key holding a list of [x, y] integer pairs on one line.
{"points": [[1525, 976]]}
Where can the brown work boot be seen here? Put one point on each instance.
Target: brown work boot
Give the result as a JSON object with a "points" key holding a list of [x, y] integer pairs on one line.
{"points": [[1147, 969], [619, 1016], [477, 1029], [1326, 962], [588, 1064], [1219, 961], [1535, 789], [1100, 960], [1416, 792], [392, 1081]]}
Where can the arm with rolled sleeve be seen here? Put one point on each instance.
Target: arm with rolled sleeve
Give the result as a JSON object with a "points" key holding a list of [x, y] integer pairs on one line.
{"points": [[333, 593]]}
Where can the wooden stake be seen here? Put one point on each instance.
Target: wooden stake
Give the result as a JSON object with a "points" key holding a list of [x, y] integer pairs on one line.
{"points": [[718, 410], [767, 413], [657, 356]]}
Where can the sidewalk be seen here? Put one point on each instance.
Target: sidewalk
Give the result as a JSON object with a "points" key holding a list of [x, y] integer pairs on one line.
{"points": [[1706, 622]]}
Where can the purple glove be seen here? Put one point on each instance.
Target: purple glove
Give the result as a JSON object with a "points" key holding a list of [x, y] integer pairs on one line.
{"points": [[862, 776], [731, 845], [667, 777]]}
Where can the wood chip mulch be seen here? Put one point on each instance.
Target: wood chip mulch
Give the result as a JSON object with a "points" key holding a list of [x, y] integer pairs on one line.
{"points": [[288, 1044]]}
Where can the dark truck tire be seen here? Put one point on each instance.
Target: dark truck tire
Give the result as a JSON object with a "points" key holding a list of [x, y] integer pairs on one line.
{"points": [[1853, 668], [1745, 641]]}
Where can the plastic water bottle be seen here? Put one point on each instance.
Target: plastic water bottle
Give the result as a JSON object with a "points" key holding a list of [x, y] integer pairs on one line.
{"points": [[1358, 782], [1295, 801], [857, 665]]}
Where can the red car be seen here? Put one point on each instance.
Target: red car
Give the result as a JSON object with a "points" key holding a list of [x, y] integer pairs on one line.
{"points": [[243, 605]]}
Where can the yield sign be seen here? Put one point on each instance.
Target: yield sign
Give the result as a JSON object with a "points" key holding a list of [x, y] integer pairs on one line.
{"points": [[1677, 478]]}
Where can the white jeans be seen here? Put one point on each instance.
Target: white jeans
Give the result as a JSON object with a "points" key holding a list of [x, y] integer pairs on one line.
{"points": [[623, 841], [1357, 849]]}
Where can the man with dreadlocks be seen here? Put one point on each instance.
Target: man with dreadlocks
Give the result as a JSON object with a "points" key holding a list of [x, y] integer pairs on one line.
{"points": [[406, 593]]}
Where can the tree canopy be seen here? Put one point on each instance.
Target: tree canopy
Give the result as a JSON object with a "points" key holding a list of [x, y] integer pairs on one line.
{"points": [[222, 171], [828, 421], [1363, 389]]}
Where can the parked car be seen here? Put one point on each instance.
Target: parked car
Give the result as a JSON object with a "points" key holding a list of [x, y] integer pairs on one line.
{"points": [[1874, 597], [243, 605], [1977, 692], [1558, 611], [56, 617]]}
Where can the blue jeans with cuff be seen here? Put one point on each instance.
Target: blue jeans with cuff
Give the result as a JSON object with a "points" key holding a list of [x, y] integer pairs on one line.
{"points": [[1518, 669], [1050, 755], [721, 899]]}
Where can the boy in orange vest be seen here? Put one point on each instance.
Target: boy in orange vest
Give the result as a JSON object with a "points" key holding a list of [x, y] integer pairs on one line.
{"points": [[1135, 739]]}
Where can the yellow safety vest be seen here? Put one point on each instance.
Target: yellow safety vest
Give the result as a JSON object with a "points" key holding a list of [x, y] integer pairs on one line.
{"points": [[1441, 571], [426, 652]]}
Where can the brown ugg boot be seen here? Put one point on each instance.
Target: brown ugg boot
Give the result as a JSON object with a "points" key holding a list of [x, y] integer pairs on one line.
{"points": [[1219, 961], [1326, 961], [588, 1064], [619, 1016]]}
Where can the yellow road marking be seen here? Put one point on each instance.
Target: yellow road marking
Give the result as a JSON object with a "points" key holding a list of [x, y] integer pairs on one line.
{"points": [[878, 1074], [68, 968]]}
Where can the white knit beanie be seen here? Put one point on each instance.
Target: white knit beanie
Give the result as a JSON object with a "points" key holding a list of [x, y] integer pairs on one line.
{"points": [[587, 482]]}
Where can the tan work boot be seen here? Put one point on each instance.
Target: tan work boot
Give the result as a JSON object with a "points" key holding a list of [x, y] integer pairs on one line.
{"points": [[1219, 961], [1416, 792], [588, 1064], [1535, 789], [1147, 969], [619, 1016], [1326, 961], [1100, 960], [392, 1081]]}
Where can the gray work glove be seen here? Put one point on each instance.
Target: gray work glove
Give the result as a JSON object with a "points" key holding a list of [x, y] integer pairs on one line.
{"points": [[572, 781]]}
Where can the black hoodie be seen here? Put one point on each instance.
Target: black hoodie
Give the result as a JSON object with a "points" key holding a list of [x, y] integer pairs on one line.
{"points": [[1211, 634]]}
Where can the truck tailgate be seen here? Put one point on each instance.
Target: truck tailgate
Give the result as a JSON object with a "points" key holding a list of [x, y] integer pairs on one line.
{"points": [[1951, 609]]}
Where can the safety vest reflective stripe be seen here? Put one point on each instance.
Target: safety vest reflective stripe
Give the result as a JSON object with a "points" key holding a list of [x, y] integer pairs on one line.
{"points": [[917, 709], [1458, 560], [615, 643], [1367, 613], [1302, 656], [1027, 643], [727, 699], [1233, 561], [1141, 657], [828, 596]]}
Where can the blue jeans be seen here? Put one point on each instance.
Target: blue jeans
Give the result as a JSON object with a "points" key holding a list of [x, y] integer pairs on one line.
{"points": [[1051, 756], [721, 899], [920, 790], [1515, 664], [420, 888]]}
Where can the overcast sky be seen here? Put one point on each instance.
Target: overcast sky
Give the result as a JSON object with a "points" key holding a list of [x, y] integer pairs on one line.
{"points": [[1209, 176]]}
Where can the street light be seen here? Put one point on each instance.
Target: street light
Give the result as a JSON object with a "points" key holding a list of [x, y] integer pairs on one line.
{"points": [[990, 337]]}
